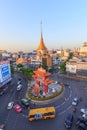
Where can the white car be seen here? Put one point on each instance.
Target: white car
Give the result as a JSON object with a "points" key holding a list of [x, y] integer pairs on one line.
{"points": [[19, 82], [84, 115], [83, 110], [10, 105], [19, 87], [75, 102]]}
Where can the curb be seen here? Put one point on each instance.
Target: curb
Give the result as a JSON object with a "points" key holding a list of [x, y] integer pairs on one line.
{"points": [[75, 77], [48, 101]]}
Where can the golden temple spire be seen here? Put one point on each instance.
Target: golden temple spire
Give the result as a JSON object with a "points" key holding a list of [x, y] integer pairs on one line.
{"points": [[41, 45]]}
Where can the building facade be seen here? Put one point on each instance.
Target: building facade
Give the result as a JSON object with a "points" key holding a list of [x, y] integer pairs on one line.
{"points": [[82, 50]]}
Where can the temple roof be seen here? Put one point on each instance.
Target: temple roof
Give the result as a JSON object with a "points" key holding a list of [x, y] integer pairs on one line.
{"points": [[20, 60], [41, 45], [45, 81], [42, 72]]}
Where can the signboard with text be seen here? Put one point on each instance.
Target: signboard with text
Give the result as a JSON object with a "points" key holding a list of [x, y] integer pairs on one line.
{"points": [[71, 68], [5, 73]]}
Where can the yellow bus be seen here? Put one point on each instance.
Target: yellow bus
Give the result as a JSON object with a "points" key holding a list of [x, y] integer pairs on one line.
{"points": [[41, 113]]}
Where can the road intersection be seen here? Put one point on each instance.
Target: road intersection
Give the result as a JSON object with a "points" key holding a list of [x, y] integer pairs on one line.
{"points": [[14, 121]]}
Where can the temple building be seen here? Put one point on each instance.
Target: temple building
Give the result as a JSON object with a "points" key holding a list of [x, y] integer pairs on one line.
{"points": [[43, 58], [42, 53], [42, 49]]}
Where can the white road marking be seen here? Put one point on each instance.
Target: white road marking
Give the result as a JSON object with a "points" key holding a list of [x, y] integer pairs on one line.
{"points": [[60, 105], [85, 88], [67, 99], [65, 110], [62, 112], [26, 116], [69, 107]]}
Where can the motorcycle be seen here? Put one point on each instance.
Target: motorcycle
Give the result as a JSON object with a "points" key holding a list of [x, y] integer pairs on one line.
{"points": [[74, 109]]}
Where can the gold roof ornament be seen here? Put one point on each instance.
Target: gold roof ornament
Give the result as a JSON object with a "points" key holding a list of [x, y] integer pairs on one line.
{"points": [[41, 45]]}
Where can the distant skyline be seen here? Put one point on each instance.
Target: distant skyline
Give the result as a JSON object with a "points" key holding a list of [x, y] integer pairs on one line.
{"points": [[64, 24]]}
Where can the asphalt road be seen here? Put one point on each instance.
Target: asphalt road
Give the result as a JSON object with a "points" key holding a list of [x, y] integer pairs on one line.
{"points": [[15, 121]]}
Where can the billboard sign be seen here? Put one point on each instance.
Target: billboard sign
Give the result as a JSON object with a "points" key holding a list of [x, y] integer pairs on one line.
{"points": [[71, 68], [5, 73]]}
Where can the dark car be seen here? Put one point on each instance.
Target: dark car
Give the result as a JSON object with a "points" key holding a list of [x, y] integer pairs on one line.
{"points": [[1, 93], [82, 126], [25, 102], [81, 120], [69, 120]]}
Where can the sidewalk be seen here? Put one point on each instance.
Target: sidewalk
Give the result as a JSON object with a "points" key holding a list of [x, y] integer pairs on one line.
{"points": [[75, 76]]}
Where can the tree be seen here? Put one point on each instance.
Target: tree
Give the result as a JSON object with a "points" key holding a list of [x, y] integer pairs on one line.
{"points": [[11, 67], [63, 67], [70, 56], [44, 66], [28, 72], [19, 65]]}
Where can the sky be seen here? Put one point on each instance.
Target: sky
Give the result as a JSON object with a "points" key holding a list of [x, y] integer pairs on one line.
{"points": [[64, 24]]}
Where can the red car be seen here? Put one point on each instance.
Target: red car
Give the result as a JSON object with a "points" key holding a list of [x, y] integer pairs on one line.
{"points": [[17, 108]]}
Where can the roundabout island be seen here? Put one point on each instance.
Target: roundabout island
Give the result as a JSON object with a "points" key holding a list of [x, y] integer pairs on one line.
{"points": [[43, 90]]}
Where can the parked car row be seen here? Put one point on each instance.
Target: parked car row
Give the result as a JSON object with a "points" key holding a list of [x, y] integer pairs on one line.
{"points": [[17, 107], [19, 85], [24, 101], [12, 105], [82, 122]]}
